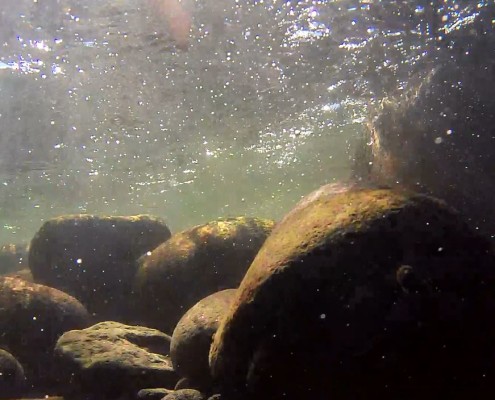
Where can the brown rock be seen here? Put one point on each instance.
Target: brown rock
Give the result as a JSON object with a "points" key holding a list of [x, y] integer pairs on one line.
{"points": [[365, 294], [193, 335], [113, 359], [196, 263]]}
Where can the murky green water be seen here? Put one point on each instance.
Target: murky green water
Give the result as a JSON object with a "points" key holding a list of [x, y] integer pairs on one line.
{"points": [[191, 110], [103, 110]]}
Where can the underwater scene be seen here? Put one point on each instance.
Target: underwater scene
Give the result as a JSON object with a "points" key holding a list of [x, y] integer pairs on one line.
{"points": [[247, 199]]}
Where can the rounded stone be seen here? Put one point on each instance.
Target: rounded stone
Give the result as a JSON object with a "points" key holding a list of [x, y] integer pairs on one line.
{"points": [[114, 359], [325, 309], [193, 335], [95, 258], [194, 264], [32, 318]]}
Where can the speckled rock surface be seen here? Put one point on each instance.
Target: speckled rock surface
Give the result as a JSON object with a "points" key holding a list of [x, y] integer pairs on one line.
{"points": [[194, 264], [193, 335], [366, 294], [111, 358], [32, 318], [94, 258]]}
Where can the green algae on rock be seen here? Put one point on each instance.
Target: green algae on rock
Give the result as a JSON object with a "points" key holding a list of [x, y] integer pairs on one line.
{"points": [[194, 264], [321, 311], [94, 258], [113, 359]]}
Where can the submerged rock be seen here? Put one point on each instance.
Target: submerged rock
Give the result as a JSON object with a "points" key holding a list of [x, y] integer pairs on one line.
{"points": [[185, 394], [193, 335], [195, 263], [153, 394], [326, 311], [94, 258], [32, 318], [114, 359], [12, 379]]}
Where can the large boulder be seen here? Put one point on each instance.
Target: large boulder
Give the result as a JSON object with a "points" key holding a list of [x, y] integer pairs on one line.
{"points": [[365, 294], [32, 318], [112, 359], [94, 258], [194, 264], [193, 335]]}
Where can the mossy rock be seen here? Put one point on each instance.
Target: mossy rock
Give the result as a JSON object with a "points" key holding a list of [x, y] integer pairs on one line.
{"points": [[113, 359], [95, 258], [362, 295], [194, 264]]}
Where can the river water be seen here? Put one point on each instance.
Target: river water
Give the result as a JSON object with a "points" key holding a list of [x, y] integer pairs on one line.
{"points": [[197, 109]]}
